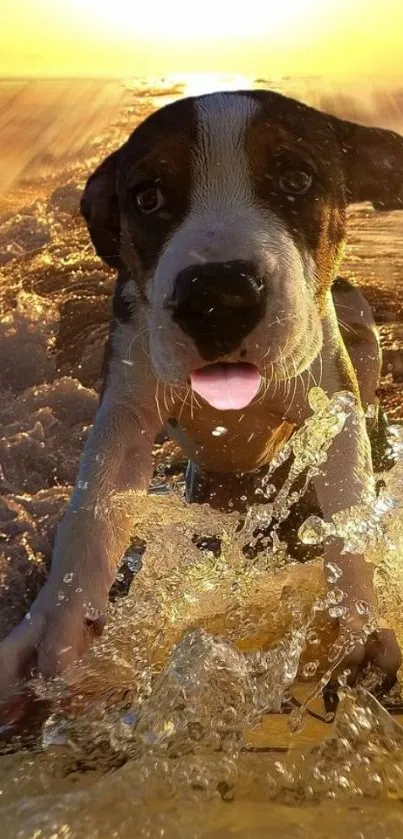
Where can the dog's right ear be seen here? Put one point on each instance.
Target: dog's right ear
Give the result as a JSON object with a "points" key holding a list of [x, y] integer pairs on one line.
{"points": [[100, 208]]}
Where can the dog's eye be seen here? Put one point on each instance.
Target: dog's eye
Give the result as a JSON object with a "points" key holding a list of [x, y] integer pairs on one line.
{"points": [[148, 197], [295, 181]]}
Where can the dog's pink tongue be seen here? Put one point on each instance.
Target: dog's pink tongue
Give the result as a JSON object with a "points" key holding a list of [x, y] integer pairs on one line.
{"points": [[227, 386]]}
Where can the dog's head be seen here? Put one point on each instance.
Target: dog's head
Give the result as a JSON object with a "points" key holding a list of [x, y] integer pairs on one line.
{"points": [[227, 214]]}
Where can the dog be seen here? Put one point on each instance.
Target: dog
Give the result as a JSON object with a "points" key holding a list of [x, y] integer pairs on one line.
{"points": [[224, 216]]}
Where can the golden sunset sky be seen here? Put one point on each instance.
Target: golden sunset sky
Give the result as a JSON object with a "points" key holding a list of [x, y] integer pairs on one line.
{"points": [[260, 37]]}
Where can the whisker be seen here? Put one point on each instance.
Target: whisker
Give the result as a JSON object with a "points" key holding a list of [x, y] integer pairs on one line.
{"points": [[321, 368], [266, 385], [304, 383], [345, 306], [288, 408], [157, 402], [135, 337], [197, 403], [275, 379], [312, 378], [347, 326], [165, 398], [127, 361], [191, 403], [183, 403], [277, 320], [287, 380]]}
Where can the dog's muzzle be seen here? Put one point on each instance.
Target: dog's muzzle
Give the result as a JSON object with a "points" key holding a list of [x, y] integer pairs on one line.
{"points": [[218, 304]]}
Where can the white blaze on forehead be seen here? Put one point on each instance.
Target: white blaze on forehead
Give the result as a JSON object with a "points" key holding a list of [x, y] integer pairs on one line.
{"points": [[220, 169], [226, 221]]}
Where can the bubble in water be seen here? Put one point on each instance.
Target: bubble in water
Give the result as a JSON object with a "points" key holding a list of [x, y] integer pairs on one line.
{"points": [[68, 578], [315, 530], [296, 719], [219, 431], [362, 607], [344, 401], [337, 611], [335, 596], [312, 638], [91, 613], [279, 767], [335, 572], [342, 677], [310, 669]]}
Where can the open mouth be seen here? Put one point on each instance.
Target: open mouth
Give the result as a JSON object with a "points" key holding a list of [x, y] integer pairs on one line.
{"points": [[227, 386]]}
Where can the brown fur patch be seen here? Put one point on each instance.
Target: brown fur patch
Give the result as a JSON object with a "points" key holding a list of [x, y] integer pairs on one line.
{"points": [[301, 138], [160, 149]]}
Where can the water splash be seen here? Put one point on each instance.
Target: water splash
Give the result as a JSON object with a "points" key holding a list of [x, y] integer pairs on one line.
{"points": [[204, 649], [307, 452]]}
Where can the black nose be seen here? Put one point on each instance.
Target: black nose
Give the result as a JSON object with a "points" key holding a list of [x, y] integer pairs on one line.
{"points": [[218, 304]]}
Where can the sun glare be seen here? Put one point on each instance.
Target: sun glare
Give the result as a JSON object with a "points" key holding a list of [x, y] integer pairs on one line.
{"points": [[212, 20], [199, 83], [268, 38]]}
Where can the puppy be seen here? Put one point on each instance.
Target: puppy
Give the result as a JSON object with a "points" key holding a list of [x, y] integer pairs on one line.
{"points": [[225, 217]]}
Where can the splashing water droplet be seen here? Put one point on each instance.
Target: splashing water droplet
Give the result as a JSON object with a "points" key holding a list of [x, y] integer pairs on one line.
{"points": [[312, 638], [342, 677], [335, 596], [362, 607], [310, 669], [337, 611], [315, 530], [296, 719], [335, 572], [92, 614], [219, 431]]}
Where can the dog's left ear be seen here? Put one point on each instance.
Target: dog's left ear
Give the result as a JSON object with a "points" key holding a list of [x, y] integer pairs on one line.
{"points": [[373, 164], [100, 208]]}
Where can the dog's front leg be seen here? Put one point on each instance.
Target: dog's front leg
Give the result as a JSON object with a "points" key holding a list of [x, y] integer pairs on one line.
{"points": [[345, 479], [90, 541]]}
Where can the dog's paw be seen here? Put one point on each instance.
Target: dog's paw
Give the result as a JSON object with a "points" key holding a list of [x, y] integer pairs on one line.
{"points": [[374, 664], [52, 635]]}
